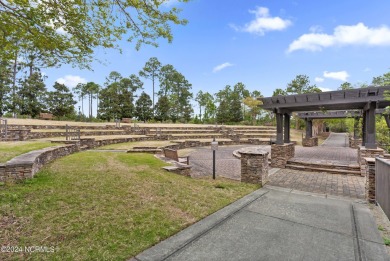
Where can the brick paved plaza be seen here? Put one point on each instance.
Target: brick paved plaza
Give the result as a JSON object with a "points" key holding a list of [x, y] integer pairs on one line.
{"points": [[228, 166]]}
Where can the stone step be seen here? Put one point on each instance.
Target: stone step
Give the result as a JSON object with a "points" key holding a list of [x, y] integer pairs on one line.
{"points": [[323, 168], [341, 165]]}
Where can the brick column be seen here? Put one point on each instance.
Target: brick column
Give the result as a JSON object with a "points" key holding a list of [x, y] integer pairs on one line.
{"points": [[370, 179], [254, 165], [280, 154], [364, 152]]}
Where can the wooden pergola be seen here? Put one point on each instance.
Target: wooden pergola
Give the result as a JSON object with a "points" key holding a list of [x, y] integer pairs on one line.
{"points": [[365, 100], [355, 114]]}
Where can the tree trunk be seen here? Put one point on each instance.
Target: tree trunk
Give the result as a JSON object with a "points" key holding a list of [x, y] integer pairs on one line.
{"points": [[82, 104], [90, 105], [14, 85], [153, 93]]}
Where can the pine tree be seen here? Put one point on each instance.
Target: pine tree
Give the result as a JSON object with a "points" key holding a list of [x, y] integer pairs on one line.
{"points": [[31, 96], [143, 107], [60, 102]]}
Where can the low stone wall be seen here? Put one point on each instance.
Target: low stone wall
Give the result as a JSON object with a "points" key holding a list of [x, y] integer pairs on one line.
{"points": [[363, 153], [310, 142], [42, 135], [17, 135], [280, 154], [256, 141], [25, 166], [370, 179], [254, 165], [354, 143]]}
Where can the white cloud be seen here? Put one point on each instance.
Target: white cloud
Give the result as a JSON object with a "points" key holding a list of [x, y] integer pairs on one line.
{"points": [[263, 22], [325, 89], [358, 34], [367, 69], [319, 79], [221, 67], [71, 80], [341, 75]]}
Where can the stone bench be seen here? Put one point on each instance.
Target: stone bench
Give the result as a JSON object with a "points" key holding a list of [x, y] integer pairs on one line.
{"points": [[45, 116], [172, 154]]}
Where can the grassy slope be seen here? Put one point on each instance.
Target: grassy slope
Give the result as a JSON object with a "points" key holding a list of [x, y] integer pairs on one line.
{"points": [[9, 150], [105, 206]]}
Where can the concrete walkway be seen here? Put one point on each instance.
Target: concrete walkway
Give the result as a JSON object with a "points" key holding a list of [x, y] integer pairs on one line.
{"points": [[275, 224], [336, 140]]}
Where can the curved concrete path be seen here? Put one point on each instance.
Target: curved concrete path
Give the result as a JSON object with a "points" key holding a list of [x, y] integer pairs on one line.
{"points": [[271, 224]]}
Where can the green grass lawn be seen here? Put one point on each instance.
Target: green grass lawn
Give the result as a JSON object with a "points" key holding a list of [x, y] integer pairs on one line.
{"points": [[11, 149], [105, 206]]}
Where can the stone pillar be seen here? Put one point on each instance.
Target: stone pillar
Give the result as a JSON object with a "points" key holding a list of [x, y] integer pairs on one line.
{"points": [[370, 179], [254, 165], [310, 142], [370, 127], [279, 128], [280, 154], [364, 152], [286, 128]]}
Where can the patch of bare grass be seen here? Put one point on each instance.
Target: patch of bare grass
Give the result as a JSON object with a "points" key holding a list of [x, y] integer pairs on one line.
{"points": [[105, 206]]}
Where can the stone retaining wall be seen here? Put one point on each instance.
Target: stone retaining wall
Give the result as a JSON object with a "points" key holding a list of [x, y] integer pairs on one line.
{"points": [[310, 142], [17, 135], [25, 166], [280, 154], [41, 135]]}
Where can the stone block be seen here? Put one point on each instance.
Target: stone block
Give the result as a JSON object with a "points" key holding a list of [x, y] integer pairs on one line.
{"points": [[254, 165], [280, 154], [310, 142]]}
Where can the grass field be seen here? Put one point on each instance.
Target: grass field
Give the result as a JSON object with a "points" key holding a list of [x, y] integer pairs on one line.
{"points": [[9, 150], [105, 206]]}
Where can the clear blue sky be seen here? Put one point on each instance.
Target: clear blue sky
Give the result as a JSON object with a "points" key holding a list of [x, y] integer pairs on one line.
{"points": [[263, 44]]}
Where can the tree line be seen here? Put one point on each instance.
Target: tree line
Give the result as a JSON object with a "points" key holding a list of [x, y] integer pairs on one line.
{"points": [[171, 98]]}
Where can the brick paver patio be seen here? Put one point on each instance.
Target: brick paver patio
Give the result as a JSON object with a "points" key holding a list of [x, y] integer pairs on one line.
{"points": [[351, 186], [228, 166]]}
